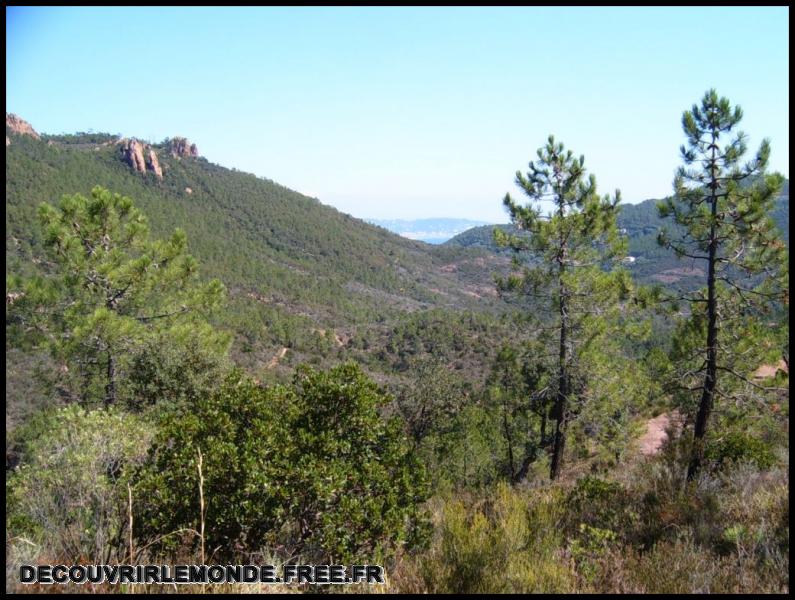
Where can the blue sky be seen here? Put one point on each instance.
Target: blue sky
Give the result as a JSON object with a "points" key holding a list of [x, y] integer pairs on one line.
{"points": [[404, 112]]}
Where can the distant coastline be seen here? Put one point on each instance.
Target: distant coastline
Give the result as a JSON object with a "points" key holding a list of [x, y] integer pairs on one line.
{"points": [[431, 231]]}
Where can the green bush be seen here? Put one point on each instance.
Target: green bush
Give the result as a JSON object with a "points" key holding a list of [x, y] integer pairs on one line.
{"points": [[70, 491], [597, 504], [737, 446], [179, 366], [507, 544], [311, 468]]}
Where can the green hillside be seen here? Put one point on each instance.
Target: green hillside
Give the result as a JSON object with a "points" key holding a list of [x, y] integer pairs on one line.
{"points": [[251, 232], [640, 222], [306, 282]]}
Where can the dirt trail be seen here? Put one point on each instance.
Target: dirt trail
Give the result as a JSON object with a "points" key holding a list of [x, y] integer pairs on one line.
{"points": [[766, 371], [652, 440], [275, 360]]}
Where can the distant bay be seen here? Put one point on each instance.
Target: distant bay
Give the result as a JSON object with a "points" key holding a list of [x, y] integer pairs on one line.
{"points": [[431, 231]]}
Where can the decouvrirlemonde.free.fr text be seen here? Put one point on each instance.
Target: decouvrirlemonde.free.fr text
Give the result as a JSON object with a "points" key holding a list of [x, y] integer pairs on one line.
{"points": [[201, 574]]}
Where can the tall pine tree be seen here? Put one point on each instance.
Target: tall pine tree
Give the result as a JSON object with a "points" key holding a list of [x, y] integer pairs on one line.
{"points": [[571, 272], [722, 208], [114, 299]]}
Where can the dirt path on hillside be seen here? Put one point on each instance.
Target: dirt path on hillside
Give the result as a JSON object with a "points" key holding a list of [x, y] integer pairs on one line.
{"points": [[275, 360], [767, 371], [651, 441]]}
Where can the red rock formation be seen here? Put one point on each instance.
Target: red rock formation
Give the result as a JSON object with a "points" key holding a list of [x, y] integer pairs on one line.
{"points": [[154, 165], [767, 371], [180, 147], [141, 157], [19, 126], [133, 152]]}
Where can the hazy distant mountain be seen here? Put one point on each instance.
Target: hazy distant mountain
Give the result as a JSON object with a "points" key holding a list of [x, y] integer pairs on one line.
{"points": [[432, 231]]}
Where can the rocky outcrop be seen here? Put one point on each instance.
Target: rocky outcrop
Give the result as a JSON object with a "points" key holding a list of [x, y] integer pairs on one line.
{"points": [[153, 164], [19, 127], [141, 157], [180, 147], [133, 152]]}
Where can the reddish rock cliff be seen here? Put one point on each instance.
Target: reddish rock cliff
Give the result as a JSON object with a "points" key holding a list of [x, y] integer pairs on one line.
{"points": [[180, 147], [141, 157], [133, 152], [19, 127], [153, 164]]}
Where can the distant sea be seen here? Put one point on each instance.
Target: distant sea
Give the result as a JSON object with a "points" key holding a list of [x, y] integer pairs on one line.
{"points": [[430, 231], [434, 240]]}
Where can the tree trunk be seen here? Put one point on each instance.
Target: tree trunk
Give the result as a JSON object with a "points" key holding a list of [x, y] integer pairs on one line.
{"points": [[110, 386], [559, 441], [521, 474], [543, 433], [711, 377], [509, 440]]}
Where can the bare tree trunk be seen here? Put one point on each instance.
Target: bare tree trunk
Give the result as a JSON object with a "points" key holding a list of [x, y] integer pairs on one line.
{"points": [[130, 522], [201, 503], [559, 441]]}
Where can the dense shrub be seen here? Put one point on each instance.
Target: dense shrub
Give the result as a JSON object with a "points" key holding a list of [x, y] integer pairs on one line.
{"points": [[737, 446], [311, 468], [727, 534], [597, 504], [507, 544], [71, 490]]}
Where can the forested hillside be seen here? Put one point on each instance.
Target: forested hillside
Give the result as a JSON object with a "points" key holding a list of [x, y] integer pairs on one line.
{"points": [[301, 275], [250, 231]]}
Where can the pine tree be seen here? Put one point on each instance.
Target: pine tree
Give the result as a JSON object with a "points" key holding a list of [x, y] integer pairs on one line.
{"points": [[114, 295], [722, 208], [571, 271], [518, 388]]}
